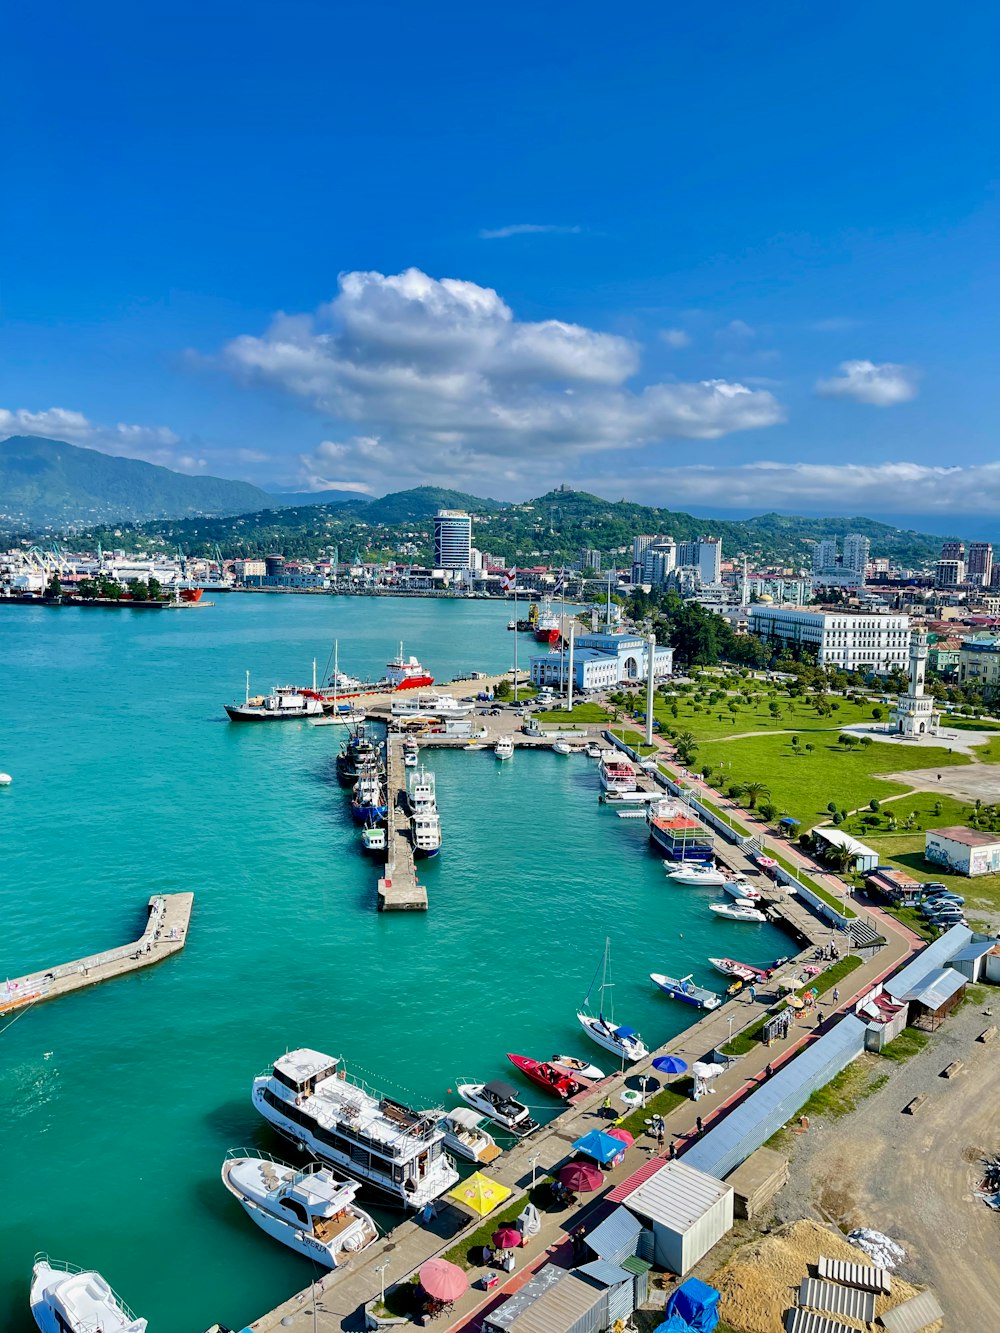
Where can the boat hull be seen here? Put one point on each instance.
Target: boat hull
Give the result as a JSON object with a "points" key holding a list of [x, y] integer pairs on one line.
{"points": [[241, 713], [709, 880], [625, 1050], [577, 1068], [536, 1070], [519, 1128], [368, 814], [696, 996], [726, 913]]}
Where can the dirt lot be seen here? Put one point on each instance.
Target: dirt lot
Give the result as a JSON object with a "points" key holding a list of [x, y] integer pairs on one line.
{"points": [[912, 1176]]}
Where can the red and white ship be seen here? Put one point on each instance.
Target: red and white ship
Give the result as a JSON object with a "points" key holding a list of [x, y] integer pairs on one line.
{"points": [[547, 628], [617, 775], [402, 673]]}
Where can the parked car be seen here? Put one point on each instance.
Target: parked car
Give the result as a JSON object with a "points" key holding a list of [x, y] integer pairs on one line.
{"points": [[936, 918], [932, 886], [945, 897]]}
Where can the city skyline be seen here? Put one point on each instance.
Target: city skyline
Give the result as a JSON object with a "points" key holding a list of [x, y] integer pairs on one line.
{"points": [[697, 270]]}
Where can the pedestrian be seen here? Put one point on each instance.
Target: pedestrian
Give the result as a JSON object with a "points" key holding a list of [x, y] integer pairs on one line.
{"points": [[659, 1139], [753, 994], [700, 1125], [606, 1107], [579, 1245], [836, 994]]}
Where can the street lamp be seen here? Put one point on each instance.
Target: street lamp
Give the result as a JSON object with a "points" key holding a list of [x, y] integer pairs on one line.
{"points": [[645, 1084], [731, 1017], [380, 1269], [533, 1163]]}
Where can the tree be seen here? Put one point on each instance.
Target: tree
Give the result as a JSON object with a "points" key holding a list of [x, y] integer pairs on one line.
{"points": [[874, 806], [503, 690], [155, 588], [706, 772], [767, 810], [877, 713], [865, 741], [53, 588], [754, 792], [795, 742], [832, 807], [809, 747], [734, 791], [838, 818], [139, 590]]}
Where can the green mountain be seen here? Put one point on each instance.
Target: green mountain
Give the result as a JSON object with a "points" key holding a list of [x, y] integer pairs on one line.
{"points": [[301, 499], [48, 483], [423, 502]]}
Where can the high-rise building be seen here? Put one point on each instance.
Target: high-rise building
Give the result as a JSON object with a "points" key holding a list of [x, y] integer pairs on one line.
{"points": [[824, 554], [857, 552], [452, 539], [590, 559], [703, 554], [658, 559], [949, 573], [639, 546], [953, 550], [980, 566]]}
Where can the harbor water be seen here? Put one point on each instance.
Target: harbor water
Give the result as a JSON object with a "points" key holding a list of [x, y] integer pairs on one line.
{"points": [[119, 1102]]}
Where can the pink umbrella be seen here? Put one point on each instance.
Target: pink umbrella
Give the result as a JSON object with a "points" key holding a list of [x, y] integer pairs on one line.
{"points": [[580, 1176], [507, 1238], [623, 1134], [443, 1281]]}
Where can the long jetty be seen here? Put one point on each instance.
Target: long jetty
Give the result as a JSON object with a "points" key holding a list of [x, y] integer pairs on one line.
{"points": [[165, 933], [398, 887]]}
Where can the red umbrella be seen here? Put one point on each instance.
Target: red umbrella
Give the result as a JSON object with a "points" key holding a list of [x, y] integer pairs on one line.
{"points": [[443, 1281], [622, 1134], [580, 1176], [507, 1238]]}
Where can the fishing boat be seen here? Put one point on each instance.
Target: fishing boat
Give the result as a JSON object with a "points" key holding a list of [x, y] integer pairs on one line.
{"points": [[425, 831], [616, 774], [695, 872], [729, 967], [498, 1101], [624, 1042], [285, 703], [411, 753], [546, 1076], [561, 747], [577, 1068], [311, 1099], [504, 748], [374, 838], [357, 753], [67, 1299], [421, 792], [742, 890], [737, 912], [369, 803], [464, 1134], [685, 990], [310, 1210]]}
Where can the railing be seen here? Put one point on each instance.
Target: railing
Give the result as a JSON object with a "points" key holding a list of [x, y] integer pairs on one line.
{"points": [[62, 1266]]}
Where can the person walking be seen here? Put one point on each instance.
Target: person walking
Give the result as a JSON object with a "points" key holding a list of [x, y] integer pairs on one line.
{"points": [[659, 1138], [607, 1108], [836, 994]]}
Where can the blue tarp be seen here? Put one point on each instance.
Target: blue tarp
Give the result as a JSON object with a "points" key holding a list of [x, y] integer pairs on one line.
{"points": [[695, 1304], [602, 1147]]}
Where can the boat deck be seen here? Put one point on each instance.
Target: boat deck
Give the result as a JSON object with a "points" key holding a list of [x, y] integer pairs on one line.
{"points": [[165, 933]]}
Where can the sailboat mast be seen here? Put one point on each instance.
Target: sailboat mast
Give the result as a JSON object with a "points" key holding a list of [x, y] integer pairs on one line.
{"points": [[248, 687], [336, 672]]}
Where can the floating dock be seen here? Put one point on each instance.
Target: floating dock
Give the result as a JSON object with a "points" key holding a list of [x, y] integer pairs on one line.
{"points": [[398, 889], [165, 933]]}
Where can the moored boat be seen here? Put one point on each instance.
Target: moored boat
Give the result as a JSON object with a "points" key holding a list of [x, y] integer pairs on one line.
{"points": [[464, 1133], [425, 830], [546, 1075], [696, 872], [616, 774], [737, 912], [430, 705], [369, 803], [685, 990], [577, 1068], [498, 1101], [547, 624], [374, 838], [357, 753], [504, 748], [67, 1299], [561, 747], [285, 703], [310, 1210], [729, 967], [624, 1042], [411, 753], [742, 890]]}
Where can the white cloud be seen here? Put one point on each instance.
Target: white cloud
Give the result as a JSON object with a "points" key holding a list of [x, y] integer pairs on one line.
{"points": [[878, 385], [739, 329], [847, 488], [527, 229], [440, 380], [676, 337], [153, 444]]}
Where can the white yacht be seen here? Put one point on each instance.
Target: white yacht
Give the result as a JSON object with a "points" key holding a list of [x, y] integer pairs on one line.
{"points": [[742, 890], [464, 1134], [624, 1042], [739, 911], [422, 792], [504, 748], [67, 1299], [411, 753], [430, 705], [561, 747], [498, 1101], [694, 872], [310, 1099], [310, 1210], [425, 829]]}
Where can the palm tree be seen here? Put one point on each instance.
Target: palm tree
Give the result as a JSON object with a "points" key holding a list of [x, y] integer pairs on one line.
{"points": [[840, 858], [754, 792]]}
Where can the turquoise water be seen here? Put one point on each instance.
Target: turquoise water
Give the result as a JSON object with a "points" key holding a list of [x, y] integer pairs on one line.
{"points": [[118, 1104]]}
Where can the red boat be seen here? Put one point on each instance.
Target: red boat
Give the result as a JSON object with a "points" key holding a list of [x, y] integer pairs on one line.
{"points": [[191, 594], [545, 1075]]}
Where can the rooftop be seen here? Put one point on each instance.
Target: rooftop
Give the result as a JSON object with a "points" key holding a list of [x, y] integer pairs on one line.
{"points": [[968, 837], [676, 1196]]}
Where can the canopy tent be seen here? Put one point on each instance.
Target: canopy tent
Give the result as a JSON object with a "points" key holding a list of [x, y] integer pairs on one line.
{"points": [[602, 1147], [500, 1088], [789, 822], [695, 1304], [480, 1194], [443, 1281], [465, 1115], [580, 1177]]}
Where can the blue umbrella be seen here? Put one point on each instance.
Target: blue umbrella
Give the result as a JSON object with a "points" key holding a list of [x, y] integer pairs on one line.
{"points": [[670, 1064]]}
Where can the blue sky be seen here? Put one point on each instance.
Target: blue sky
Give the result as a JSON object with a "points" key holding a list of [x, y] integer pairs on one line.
{"points": [[737, 258]]}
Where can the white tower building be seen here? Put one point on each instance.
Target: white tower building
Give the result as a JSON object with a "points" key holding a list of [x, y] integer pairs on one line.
{"points": [[915, 713]]}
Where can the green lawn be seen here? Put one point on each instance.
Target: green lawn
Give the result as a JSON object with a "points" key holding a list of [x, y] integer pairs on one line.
{"points": [[801, 785], [634, 739], [703, 720], [990, 752], [661, 1103], [931, 810], [580, 713], [907, 1044]]}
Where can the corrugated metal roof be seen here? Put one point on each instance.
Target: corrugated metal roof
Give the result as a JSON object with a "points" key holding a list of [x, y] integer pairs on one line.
{"points": [[868, 1277], [937, 987], [505, 1315], [977, 949], [636, 1266], [622, 1191], [677, 1196], [609, 1275], [832, 1298], [935, 955], [732, 1141], [616, 1236], [808, 1321], [914, 1314], [558, 1308]]}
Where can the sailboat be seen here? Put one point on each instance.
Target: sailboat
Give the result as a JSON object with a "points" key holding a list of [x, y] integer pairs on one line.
{"points": [[621, 1041], [337, 712]]}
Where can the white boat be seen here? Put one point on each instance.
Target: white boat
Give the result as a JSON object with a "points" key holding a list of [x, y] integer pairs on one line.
{"points": [[285, 703], [498, 1102], [574, 1067], [616, 774], [737, 912], [425, 830], [561, 747], [374, 839], [422, 792], [694, 872], [430, 705], [684, 989], [624, 1042], [311, 1099], [465, 1135], [592, 750], [310, 1210], [504, 748], [742, 890], [411, 753], [67, 1299]]}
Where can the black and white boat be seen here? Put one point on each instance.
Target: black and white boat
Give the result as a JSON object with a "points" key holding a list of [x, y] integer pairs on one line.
{"points": [[498, 1101]]}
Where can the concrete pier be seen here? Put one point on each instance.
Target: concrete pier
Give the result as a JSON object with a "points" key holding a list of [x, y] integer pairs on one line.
{"points": [[398, 889], [165, 933]]}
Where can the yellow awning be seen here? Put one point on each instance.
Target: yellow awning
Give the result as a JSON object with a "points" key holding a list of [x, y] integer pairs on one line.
{"points": [[480, 1194]]}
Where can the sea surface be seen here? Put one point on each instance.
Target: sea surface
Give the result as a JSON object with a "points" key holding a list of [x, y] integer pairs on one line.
{"points": [[118, 1103]]}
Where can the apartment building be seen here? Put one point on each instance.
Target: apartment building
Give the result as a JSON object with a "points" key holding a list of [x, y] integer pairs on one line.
{"points": [[849, 641]]}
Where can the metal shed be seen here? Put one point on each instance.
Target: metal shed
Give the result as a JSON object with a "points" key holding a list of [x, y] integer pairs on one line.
{"points": [[620, 1287], [617, 1237], [689, 1212], [938, 954], [934, 997], [570, 1304], [971, 961]]}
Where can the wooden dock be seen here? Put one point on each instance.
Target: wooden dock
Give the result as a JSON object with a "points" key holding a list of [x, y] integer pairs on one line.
{"points": [[165, 933], [398, 889]]}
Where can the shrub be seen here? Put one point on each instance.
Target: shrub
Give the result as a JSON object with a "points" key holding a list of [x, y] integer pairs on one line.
{"points": [[874, 806], [767, 810], [838, 818], [832, 807]]}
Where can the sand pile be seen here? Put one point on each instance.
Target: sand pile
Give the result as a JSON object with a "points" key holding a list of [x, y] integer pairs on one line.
{"points": [[762, 1280]]}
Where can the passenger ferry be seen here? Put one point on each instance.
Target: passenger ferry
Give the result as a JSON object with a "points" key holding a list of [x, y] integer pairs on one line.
{"points": [[616, 774], [309, 1098]]}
